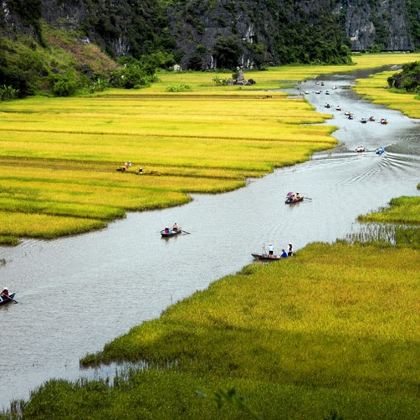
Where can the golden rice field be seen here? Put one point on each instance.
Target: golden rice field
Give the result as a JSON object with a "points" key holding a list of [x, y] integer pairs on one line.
{"points": [[58, 156], [375, 89], [275, 77]]}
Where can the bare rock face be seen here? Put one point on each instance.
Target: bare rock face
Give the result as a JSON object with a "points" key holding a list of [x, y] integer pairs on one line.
{"points": [[217, 33], [224, 33], [381, 25]]}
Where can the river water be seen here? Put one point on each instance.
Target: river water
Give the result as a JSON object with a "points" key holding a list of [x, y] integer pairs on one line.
{"points": [[75, 294]]}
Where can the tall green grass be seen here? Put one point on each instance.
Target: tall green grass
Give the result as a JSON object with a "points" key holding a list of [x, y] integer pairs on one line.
{"points": [[323, 331]]}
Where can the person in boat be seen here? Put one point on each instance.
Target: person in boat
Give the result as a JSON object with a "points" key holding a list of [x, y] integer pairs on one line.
{"points": [[270, 249], [290, 250], [283, 254], [166, 230], [175, 227], [297, 197], [4, 293]]}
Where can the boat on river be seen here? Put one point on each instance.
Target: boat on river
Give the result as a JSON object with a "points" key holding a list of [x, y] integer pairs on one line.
{"points": [[293, 198], [170, 233], [360, 149], [380, 150], [383, 121], [266, 257], [4, 300], [364, 120]]}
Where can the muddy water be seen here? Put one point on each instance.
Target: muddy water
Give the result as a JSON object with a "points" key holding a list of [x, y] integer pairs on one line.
{"points": [[78, 293]]}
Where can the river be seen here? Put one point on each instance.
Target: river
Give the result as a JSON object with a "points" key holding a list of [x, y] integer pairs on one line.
{"points": [[77, 293]]}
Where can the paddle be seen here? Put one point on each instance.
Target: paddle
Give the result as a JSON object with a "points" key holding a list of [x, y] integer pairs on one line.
{"points": [[188, 233], [308, 198]]}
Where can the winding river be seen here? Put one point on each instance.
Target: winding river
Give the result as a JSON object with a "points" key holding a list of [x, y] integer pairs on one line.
{"points": [[80, 292]]}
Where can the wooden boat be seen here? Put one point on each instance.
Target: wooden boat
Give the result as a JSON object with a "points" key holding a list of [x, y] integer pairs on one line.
{"points": [[363, 120], [4, 301], [266, 257], [384, 121], [171, 233], [338, 108], [328, 106], [360, 149], [372, 119], [290, 200]]}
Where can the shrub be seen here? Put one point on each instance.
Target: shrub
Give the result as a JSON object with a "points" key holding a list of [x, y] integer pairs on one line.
{"points": [[133, 75], [98, 85], [219, 81], [179, 88], [64, 84], [8, 92], [227, 51]]}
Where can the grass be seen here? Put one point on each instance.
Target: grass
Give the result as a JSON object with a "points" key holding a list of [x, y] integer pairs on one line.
{"points": [[295, 339], [58, 157], [401, 210], [405, 213], [8, 241], [375, 89]]}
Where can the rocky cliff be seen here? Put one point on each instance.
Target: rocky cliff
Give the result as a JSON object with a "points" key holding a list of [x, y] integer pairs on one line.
{"points": [[209, 33], [380, 25]]}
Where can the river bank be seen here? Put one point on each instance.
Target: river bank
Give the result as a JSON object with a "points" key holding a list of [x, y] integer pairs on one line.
{"points": [[375, 89]]}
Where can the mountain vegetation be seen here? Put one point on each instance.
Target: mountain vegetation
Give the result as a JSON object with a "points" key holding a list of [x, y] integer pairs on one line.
{"points": [[408, 79], [63, 46]]}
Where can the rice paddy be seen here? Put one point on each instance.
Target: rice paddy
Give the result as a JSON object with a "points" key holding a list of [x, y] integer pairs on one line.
{"points": [[375, 89], [315, 334], [401, 210], [58, 156]]}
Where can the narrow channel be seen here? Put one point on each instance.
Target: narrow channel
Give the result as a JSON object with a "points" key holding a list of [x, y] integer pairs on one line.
{"points": [[80, 292]]}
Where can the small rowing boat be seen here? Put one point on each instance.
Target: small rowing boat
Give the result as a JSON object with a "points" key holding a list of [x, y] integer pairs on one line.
{"points": [[291, 200], [170, 233], [360, 149], [266, 257], [4, 300]]}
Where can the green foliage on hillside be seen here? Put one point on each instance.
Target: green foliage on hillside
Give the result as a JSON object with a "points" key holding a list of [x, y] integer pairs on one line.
{"points": [[60, 65], [268, 32], [413, 9], [143, 24], [408, 79]]}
